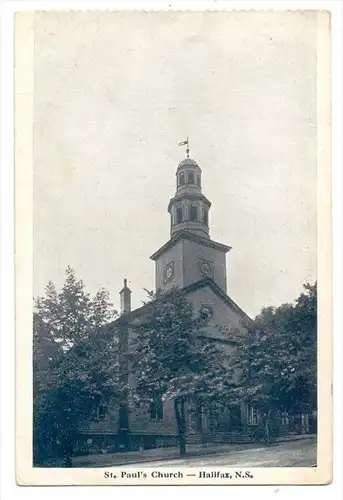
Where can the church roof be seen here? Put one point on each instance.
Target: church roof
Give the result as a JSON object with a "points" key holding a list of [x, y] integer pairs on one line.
{"points": [[188, 162], [193, 237], [130, 317]]}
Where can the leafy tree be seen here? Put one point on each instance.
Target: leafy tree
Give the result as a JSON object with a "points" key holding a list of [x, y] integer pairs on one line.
{"points": [[277, 359], [72, 314], [174, 360], [74, 363]]}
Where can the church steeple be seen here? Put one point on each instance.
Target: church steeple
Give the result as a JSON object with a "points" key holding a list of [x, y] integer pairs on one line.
{"points": [[189, 208], [190, 256]]}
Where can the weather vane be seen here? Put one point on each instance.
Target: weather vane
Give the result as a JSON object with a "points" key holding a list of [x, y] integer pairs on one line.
{"points": [[185, 143]]}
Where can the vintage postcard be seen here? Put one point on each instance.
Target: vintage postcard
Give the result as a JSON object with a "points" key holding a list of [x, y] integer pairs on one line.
{"points": [[173, 247]]}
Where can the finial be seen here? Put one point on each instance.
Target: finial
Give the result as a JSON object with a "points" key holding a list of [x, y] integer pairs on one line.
{"points": [[185, 143], [125, 282]]}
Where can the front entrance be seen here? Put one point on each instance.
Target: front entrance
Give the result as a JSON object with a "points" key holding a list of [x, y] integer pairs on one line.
{"points": [[235, 419]]}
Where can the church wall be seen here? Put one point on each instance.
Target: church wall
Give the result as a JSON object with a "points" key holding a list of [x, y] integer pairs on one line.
{"points": [[223, 314], [110, 424], [141, 422], [173, 254], [193, 253], [139, 418]]}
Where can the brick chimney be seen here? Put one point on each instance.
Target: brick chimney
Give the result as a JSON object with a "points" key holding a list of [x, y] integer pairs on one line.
{"points": [[125, 298]]}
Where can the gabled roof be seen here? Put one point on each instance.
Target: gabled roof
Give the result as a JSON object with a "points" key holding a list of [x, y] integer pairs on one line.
{"points": [[193, 237], [220, 293]]}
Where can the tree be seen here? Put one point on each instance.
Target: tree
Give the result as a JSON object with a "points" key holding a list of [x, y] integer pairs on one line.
{"points": [[277, 359], [173, 359], [75, 364]]}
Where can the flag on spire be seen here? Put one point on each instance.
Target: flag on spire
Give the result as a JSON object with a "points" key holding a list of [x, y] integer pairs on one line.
{"points": [[185, 143]]}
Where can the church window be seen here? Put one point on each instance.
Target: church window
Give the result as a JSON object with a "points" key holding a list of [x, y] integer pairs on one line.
{"points": [[206, 312], [206, 216], [284, 418], [194, 212], [156, 409], [190, 178], [181, 179], [179, 215], [198, 180], [252, 415], [200, 416], [99, 413]]}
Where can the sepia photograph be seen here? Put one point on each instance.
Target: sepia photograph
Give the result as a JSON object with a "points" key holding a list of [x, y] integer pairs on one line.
{"points": [[170, 331]]}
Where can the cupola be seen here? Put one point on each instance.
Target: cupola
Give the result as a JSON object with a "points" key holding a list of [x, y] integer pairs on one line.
{"points": [[189, 208]]}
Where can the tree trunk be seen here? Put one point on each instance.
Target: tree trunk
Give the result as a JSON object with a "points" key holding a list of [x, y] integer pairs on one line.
{"points": [[179, 408], [68, 449], [302, 424], [267, 428], [68, 462]]}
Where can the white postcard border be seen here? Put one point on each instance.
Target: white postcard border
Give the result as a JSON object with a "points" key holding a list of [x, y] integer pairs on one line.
{"points": [[310, 476]]}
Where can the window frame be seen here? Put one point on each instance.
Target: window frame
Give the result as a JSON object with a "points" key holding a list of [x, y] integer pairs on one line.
{"points": [[206, 216], [190, 175], [191, 213], [156, 409], [179, 211], [96, 415], [252, 415], [284, 418]]}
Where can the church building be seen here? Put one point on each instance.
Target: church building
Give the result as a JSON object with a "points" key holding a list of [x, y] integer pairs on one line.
{"points": [[190, 260]]}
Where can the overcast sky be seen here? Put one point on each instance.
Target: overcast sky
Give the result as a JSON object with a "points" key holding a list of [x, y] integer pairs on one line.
{"points": [[115, 93]]}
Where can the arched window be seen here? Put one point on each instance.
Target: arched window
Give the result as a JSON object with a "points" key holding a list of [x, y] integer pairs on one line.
{"points": [[190, 178], [182, 179], [194, 213], [198, 181], [179, 215]]}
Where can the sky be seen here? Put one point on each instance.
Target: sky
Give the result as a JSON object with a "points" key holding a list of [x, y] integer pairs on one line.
{"points": [[113, 95]]}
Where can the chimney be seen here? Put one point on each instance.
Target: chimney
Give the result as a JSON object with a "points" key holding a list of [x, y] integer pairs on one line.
{"points": [[125, 298]]}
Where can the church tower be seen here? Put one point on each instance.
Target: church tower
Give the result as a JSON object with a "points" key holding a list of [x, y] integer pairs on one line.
{"points": [[189, 256]]}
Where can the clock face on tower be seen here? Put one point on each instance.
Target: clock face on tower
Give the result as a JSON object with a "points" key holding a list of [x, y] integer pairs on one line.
{"points": [[205, 268], [168, 272]]}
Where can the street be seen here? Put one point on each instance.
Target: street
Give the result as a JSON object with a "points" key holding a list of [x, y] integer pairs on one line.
{"points": [[288, 454]]}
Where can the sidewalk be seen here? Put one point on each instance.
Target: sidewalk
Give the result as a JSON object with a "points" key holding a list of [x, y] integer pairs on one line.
{"points": [[158, 454]]}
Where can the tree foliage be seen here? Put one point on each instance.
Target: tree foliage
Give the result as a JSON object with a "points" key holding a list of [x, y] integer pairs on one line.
{"points": [[174, 360], [74, 363], [277, 357]]}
